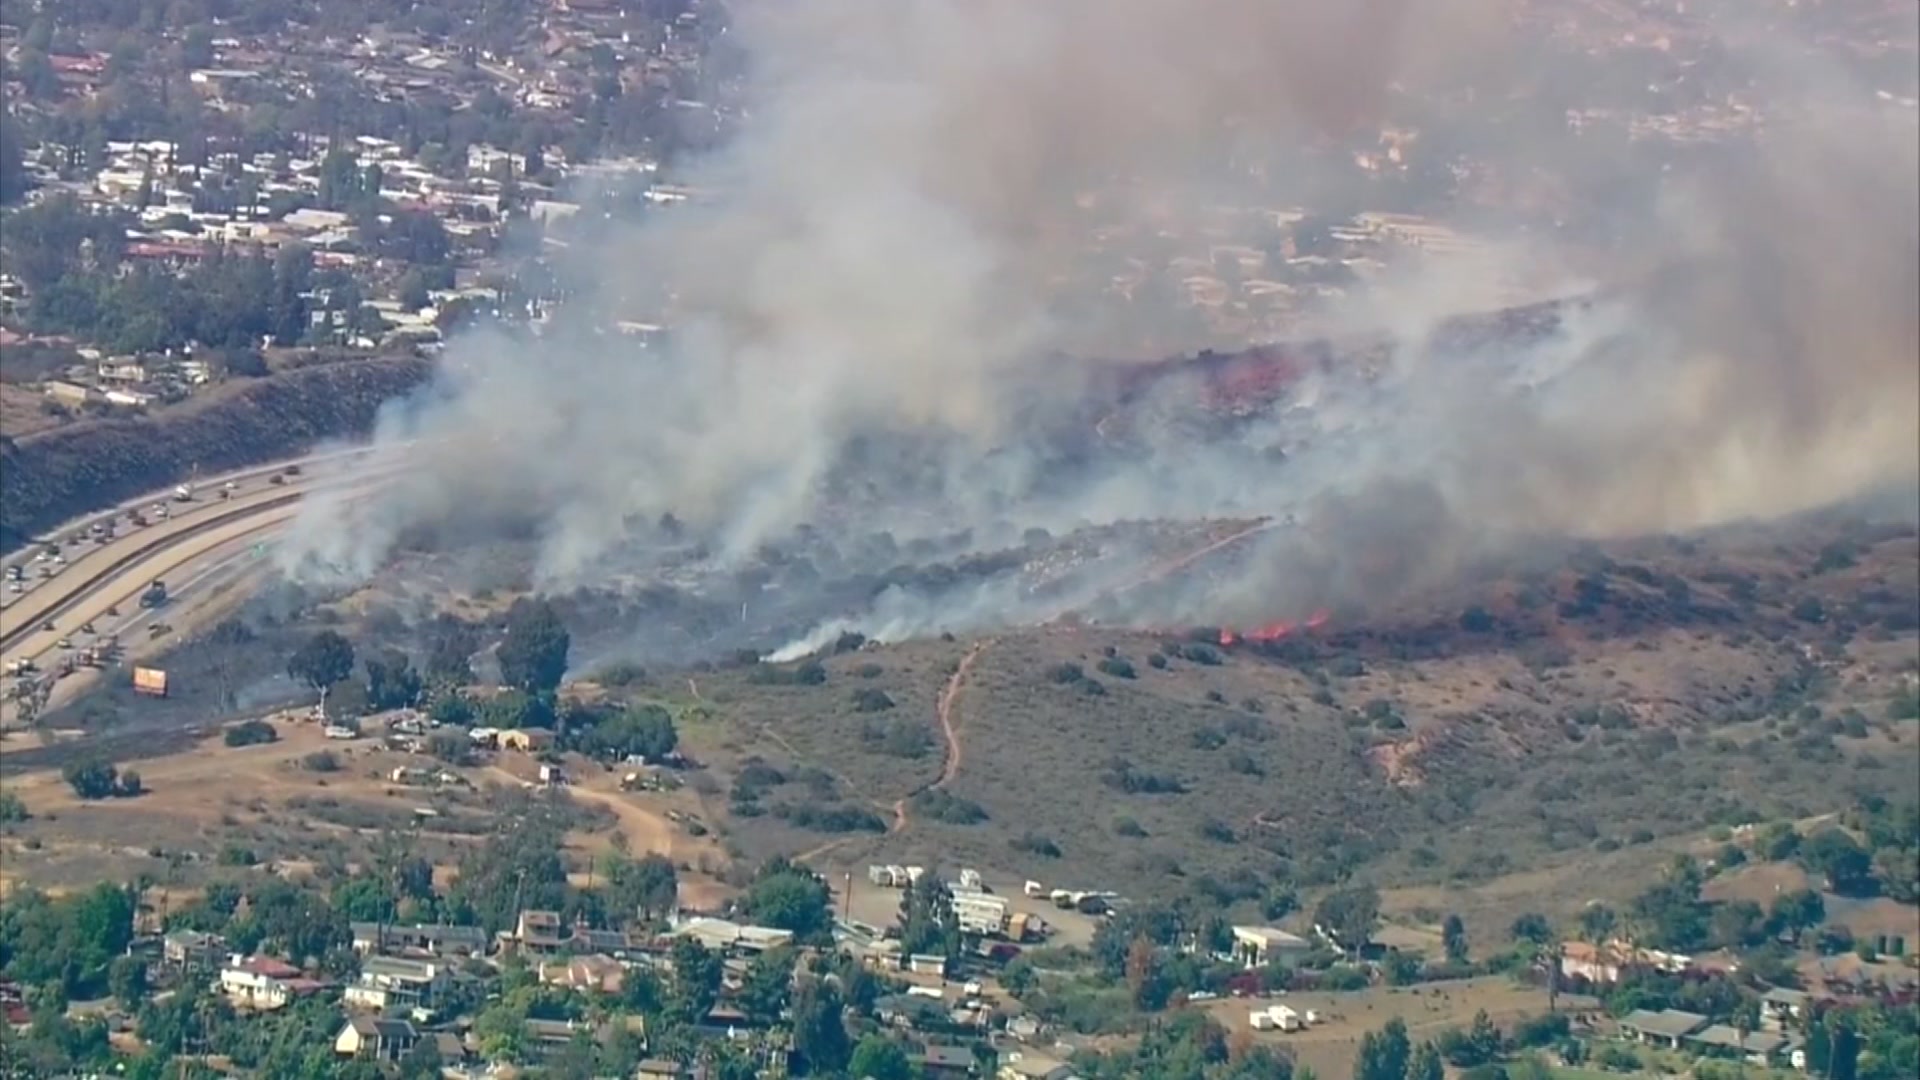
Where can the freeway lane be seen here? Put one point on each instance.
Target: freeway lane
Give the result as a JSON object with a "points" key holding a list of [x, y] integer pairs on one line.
{"points": [[252, 476], [120, 556], [122, 588], [115, 557]]}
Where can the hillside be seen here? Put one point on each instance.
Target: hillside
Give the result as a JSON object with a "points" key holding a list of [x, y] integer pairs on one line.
{"points": [[1530, 721], [48, 477]]}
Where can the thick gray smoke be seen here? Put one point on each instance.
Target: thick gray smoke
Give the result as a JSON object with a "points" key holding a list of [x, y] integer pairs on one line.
{"points": [[870, 307]]}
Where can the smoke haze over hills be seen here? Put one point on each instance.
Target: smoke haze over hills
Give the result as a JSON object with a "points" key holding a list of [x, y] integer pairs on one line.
{"points": [[869, 321]]}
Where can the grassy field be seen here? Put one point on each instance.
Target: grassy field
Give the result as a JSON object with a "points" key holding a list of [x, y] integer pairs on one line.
{"points": [[1531, 772]]}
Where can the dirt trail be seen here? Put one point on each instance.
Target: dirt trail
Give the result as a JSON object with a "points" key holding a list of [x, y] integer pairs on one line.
{"points": [[949, 695], [1181, 562]]}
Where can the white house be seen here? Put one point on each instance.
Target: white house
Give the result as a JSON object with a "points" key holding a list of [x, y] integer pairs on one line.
{"points": [[261, 982], [1258, 946], [377, 1039]]}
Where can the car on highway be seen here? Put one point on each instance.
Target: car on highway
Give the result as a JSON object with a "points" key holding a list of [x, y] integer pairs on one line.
{"points": [[16, 587], [86, 628], [47, 627], [65, 643]]}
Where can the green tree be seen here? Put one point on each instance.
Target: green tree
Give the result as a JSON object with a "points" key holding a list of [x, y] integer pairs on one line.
{"points": [[1453, 938], [91, 778], [1385, 1054], [765, 989], [1426, 1064], [13, 170], [696, 981], [819, 1031], [127, 980], [534, 655], [646, 730], [391, 681], [927, 922], [880, 1058], [325, 659], [1597, 922], [1350, 915], [1532, 927], [1833, 854], [648, 887], [788, 896]]}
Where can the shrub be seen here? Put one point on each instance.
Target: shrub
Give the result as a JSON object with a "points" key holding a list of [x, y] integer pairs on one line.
{"points": [[1206, 738], [235, 855], [250, 733], [11, 808], [451, 747], [1034, 843], [321, 761], [1118, 667], [1157, 661], [621, 673], [1126, 826], [1205, 655], [946, 807], [1122, 776], [1217, 831], [830, 819], [1066, 674], [869, 700], [901, 738]]}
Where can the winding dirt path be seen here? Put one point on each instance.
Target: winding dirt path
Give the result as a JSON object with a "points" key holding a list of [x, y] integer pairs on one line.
{"points": [[949, 695]]}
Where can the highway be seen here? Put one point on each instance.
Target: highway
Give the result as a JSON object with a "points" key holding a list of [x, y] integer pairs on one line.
{"points": [[198, 540], [40, 574]]}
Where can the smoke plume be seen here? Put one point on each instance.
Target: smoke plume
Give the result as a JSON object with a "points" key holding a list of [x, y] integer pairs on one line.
{"points": [[886, 317]]}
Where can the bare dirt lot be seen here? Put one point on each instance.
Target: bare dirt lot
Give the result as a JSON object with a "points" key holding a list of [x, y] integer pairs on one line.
{"points": [[211, 806], [1331, 1045]]}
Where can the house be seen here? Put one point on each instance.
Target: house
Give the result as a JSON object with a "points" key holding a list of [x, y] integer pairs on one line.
{"points": [[552, 1036], [261, 982], [1033, 1065], [430, 940], [1664, 1028], [660, 1069], [1782, 1009], [945, 1061], [597, 973], [539, 932], [525, 740], [724, 935], [1607, 963], [68, 393], [191, 949], [130, 399], [1761, 1048], [375, 1039], [1594, 963], [394, 982], [925, 964], [909, 1011], [1258, 946]]}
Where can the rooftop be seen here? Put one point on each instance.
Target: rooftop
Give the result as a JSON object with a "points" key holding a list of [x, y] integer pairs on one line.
{"points": [[1671, 1023], [1755, 1042]]}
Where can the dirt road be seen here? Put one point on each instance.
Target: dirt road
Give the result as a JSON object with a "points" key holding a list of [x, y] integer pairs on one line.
{"points": [[949, 695]]}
